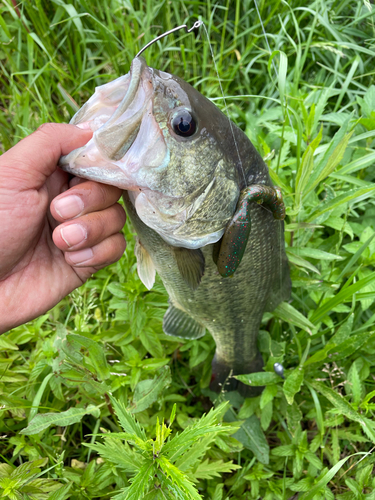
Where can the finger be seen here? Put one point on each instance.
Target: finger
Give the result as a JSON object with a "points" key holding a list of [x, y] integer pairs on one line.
{"points": [[104, 253], [89, 230], [28, 164], [84, 198], [75, 181]]}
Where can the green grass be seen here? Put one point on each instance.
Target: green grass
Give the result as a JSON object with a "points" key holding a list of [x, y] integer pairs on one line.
{"points": [[310, 437]]}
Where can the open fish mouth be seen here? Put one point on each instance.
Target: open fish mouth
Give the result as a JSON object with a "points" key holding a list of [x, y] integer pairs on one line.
{"points": [[156, 136], [126, 137]]}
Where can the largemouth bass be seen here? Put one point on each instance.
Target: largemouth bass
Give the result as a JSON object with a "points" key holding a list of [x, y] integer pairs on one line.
{"points": [[202, 212]]}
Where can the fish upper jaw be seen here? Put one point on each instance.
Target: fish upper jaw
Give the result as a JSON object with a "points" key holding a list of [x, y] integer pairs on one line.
{"points": [[126, 136]]}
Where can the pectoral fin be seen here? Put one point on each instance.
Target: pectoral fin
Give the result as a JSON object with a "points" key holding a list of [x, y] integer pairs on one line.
{"points": [[191, 264], [145, 266], [237, 232], [179, 324]]}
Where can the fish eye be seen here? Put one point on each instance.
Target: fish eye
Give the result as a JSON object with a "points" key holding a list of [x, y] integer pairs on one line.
{"points": [[183, 123]]}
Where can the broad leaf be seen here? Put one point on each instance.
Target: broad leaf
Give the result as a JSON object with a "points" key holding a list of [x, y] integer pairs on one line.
{"points": [[148, 391], [293, 384], [252, 437], [44, 420]]}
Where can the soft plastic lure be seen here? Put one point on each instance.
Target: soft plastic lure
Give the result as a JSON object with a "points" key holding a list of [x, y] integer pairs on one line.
{"points": [[237, 232]]}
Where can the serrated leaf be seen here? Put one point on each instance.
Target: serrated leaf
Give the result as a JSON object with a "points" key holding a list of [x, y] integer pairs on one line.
{"points": [[180, 443], [140, 481], [127, 421], [351, 437], [293, 417], [190, 458], [117, 290], [119, 454], [314, 460], [178, 478], [286, 450], [209, 470], [344, 332], [355, 383], [173, 491]]}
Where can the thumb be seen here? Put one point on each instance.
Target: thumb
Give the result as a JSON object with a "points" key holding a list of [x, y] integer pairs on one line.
{"points": [[30, 162]]}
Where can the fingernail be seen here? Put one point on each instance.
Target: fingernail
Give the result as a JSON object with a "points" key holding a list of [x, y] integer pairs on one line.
{"points": [[81, 256], [69, 206], [84, 125], [73, 234]]}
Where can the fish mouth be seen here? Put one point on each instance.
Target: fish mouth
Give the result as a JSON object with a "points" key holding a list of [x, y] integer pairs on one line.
{"points": [[126, 135]]}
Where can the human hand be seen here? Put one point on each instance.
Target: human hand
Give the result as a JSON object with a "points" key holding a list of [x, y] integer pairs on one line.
{"points": [[54, 233]]}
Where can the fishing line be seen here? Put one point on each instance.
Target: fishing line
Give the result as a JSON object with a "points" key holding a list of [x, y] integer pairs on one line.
{"points": [[225, 102], [278, 223]]}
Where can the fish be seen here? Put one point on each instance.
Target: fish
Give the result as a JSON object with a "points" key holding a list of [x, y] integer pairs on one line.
{"points": [[207, 216]]}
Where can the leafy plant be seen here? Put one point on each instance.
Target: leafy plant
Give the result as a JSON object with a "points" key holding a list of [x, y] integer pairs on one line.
{"points": [[16, 482], [164, 464], [313, 122]]}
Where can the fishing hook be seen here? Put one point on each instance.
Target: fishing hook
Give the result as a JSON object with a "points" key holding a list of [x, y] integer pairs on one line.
{"points": [[195, 26]]}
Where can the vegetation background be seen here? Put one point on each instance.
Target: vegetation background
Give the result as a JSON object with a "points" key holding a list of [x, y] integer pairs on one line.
{"points": [[308, 104]]}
